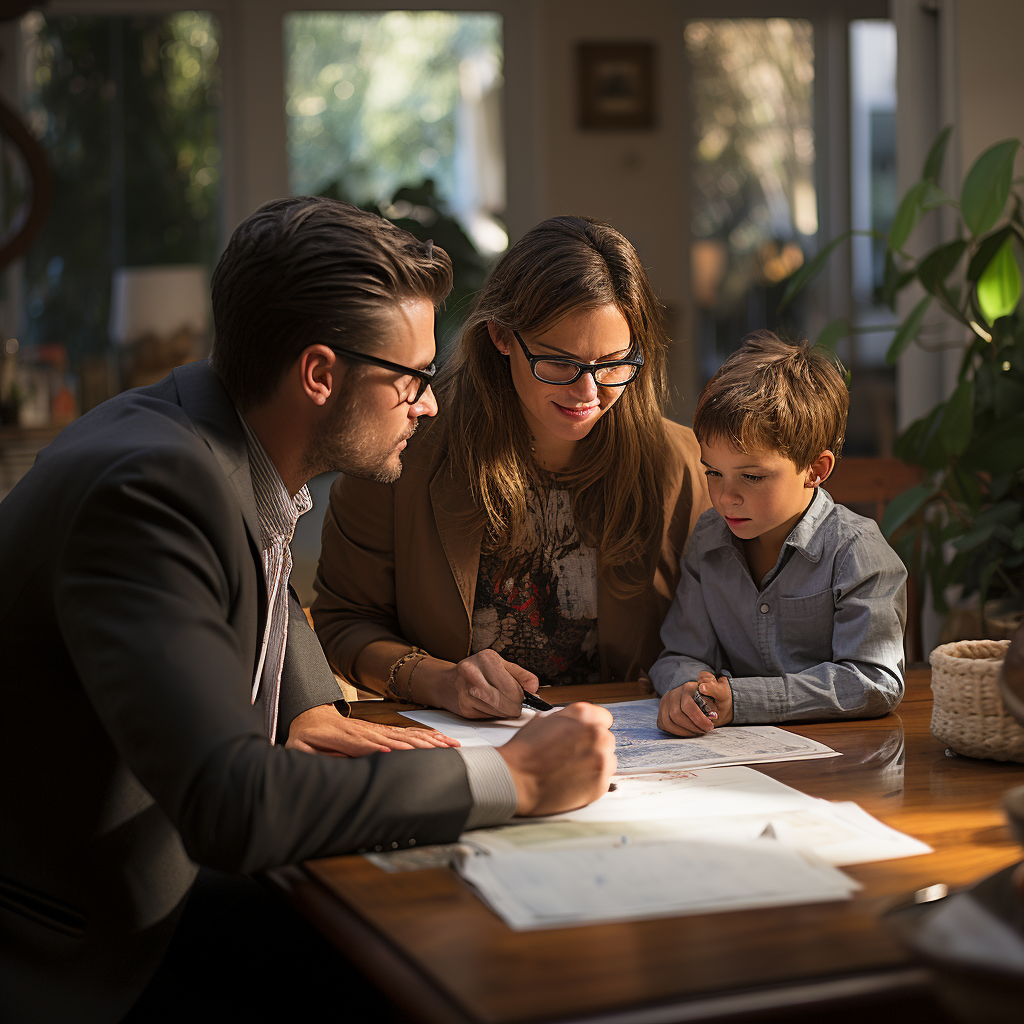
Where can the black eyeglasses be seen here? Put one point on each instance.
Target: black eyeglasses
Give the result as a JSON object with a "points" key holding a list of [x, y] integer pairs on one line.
{"points": [[612, 373], [423, 377]]}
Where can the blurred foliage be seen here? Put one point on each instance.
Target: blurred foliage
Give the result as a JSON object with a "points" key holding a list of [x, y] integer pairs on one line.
{"points": [[158, 79], [420, 211], [965, 524], [372, 99], [753, 171]]}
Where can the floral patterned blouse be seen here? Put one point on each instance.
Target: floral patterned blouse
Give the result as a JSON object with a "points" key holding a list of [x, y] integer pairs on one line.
{"points": [[541, 611]]}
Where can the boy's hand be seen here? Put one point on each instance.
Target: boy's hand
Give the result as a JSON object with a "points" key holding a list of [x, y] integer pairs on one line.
{"points": [[680, 716]]}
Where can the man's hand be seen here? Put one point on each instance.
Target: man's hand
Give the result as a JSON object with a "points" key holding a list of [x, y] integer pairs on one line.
{"points": [[679, 715], [560, 762], [483, 685], [322, 730]]}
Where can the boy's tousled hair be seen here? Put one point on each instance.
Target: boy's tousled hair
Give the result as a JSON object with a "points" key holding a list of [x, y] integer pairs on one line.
{"points": [[309, 270], [775, 395]]}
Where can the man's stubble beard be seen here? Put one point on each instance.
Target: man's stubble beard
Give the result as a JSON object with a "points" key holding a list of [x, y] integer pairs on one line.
{"points": [[348, 442]]}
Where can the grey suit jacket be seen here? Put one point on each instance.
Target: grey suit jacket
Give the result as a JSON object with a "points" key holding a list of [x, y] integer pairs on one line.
{"points": [[131, 612]]}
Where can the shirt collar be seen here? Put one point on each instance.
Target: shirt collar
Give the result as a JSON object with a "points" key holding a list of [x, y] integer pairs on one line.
{"points": [[805, 537], [276, 509]]}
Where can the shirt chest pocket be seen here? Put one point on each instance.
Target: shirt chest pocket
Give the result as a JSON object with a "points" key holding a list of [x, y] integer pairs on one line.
{"points": [[805, 628]]}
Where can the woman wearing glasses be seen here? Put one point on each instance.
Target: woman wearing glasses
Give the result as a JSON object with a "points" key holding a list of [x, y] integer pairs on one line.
{"points": [[535, 532]]}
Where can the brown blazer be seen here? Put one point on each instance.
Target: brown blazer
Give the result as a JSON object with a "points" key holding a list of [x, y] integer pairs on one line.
{"points": [[399, 562]]}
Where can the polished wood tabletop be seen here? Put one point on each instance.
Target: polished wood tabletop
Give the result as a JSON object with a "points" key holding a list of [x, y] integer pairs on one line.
{"points": [[425, 938]]}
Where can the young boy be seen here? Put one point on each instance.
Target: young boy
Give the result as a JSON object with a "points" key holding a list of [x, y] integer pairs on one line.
{"points": [[789, 606]]}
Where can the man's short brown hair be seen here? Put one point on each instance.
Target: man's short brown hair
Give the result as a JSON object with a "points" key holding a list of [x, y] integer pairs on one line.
{"points": [[775, 395], [307, 270]]}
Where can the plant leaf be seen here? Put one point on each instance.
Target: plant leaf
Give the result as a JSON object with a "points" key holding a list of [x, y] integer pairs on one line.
{"points": [[903, 506], [989, 246], [809, 271], [908, 331], [832, 332], [974, 538], [1007, 396], [910, 445], [933, 162], [957, 417], [933, 270], [934, 197], [987, 186], [999, 284], [908, 214], [997, 450], [965, 488]]}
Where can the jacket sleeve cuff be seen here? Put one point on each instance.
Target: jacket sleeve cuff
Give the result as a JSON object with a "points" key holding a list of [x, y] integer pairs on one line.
{"points": [[490, 785]]}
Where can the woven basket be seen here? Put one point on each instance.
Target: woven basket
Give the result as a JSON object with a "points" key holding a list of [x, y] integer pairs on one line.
{"points": [[968, 713]]}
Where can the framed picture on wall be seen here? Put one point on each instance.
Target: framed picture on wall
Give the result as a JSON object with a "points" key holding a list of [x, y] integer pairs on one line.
{"points": [[616, 85]]}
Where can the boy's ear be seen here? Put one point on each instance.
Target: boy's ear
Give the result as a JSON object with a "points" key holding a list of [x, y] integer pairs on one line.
{"points": [[820, 469]]}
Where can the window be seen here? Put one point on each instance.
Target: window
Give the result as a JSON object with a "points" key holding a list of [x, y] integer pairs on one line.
{"points": [[754, 206], [128, 111], [381, 102], [873, 199]]}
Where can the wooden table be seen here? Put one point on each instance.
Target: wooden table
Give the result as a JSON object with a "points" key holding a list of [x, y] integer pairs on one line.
{"points": [[442, 955]]}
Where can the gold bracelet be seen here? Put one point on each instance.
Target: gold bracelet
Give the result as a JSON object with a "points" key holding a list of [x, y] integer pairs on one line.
{"points": [[416, 652]]}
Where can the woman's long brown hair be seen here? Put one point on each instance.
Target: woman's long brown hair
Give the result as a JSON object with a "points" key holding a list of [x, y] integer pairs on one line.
{"points": [[563, 266]]}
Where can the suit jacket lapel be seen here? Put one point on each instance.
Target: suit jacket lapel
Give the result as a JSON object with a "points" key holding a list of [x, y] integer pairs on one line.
{"points": [[213, 415], [460, 527], [215, 420]]}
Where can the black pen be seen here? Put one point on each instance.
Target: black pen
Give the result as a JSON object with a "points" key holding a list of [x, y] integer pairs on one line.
{"points": [[698, 699], [531, 700]]}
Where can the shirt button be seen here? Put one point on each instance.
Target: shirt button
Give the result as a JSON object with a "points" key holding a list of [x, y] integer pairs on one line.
{"points": [[412, 842], [377, 849], [764, 609], [394, 846]]}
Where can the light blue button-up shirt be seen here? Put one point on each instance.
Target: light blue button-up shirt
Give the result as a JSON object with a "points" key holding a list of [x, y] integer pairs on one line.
{"points": [[821, 638]]}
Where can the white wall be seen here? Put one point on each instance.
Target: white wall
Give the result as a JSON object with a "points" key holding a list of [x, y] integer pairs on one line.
{"points": [[990, 74]]}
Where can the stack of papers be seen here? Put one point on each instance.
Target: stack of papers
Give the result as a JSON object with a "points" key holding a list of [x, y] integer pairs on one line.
{"points": [[675, 843], [720, 805], [556, 889], [684, 829], [641, 746]]}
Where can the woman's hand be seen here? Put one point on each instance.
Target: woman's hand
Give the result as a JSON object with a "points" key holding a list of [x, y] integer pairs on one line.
{"points": [[322, 730], [678, 713], [484, 685]]}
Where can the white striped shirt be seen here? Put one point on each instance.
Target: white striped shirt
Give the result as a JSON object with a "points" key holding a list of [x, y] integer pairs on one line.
{"points": [[278, 512], [490, 783]]}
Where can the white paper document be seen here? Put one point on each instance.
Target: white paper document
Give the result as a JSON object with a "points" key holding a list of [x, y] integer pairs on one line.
{"points": [[728, 805], [554, 889], [470, 732], [640, 745]]}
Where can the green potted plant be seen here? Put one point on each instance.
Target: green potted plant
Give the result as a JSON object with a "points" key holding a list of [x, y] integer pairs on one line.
{"points": [[963, 524]]}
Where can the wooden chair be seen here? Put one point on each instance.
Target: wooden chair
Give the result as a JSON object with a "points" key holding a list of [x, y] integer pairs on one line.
{"points": [[866, 486]]}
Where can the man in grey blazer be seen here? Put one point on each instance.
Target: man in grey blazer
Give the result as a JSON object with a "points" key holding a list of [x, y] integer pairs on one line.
{"points": [[165, 704]]}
